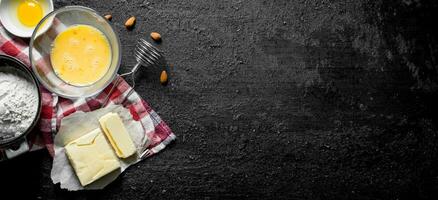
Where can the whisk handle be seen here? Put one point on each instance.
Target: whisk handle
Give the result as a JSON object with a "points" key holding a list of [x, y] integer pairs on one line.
{"points": [[105, 101], [134, 70], [118, 79]]}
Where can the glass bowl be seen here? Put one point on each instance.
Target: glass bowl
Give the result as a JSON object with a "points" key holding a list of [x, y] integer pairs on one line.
{"points": [[41, 45]]}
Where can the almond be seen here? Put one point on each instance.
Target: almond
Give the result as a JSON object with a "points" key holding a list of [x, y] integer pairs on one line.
{"points": [[156, 36], [130, 22], [108, 17], [163, 77]]}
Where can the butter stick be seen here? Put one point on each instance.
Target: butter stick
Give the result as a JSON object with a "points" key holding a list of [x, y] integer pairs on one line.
{"points": [[116, 133], [91, 157]]}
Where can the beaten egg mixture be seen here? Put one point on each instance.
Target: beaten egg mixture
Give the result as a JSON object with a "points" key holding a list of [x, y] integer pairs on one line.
{"points": [[81, 55]]}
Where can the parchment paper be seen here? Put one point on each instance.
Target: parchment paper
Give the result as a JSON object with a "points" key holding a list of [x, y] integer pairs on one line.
{"points": [[80, 123]]}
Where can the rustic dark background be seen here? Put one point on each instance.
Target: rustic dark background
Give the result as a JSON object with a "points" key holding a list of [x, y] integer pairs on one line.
{"points": [[308, 99]]}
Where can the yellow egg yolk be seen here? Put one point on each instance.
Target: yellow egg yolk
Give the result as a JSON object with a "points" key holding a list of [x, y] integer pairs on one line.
{"points": [[29, 12]]}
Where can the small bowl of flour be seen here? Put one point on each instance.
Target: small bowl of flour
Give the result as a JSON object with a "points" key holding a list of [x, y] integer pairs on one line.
{"points": [[20, 101]]}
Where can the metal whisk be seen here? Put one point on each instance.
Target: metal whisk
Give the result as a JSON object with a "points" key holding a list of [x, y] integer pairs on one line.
{"points": [[146, 55]]}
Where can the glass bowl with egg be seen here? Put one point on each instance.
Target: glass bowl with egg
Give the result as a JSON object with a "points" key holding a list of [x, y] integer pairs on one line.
{"points": [[74, 52], [20, 17]]}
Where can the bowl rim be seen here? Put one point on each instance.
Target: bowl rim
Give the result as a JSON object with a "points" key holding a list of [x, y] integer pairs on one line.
{"points": [[21, 66], [20, 33], [32, 63]]}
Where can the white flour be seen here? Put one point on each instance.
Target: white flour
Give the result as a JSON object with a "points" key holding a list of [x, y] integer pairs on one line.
{"points": [[18, 104]]}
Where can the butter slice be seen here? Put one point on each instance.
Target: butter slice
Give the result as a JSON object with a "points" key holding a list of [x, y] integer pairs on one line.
{"points": [[116, 133], [91, 157]]}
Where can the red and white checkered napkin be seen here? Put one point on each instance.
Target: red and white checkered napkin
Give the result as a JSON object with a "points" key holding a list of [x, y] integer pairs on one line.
{"points": [[55, 108]]}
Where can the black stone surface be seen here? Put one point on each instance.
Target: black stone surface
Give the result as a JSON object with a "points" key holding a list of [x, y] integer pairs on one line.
{"points": [[309, 99]]}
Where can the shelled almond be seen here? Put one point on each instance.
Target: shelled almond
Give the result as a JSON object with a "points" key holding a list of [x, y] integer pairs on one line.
{"points": [[163, 77], [156, 36], [129, 24], [108, 17]]}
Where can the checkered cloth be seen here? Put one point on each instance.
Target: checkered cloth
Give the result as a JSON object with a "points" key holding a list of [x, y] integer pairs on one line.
{"points": [[55, 108]]}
